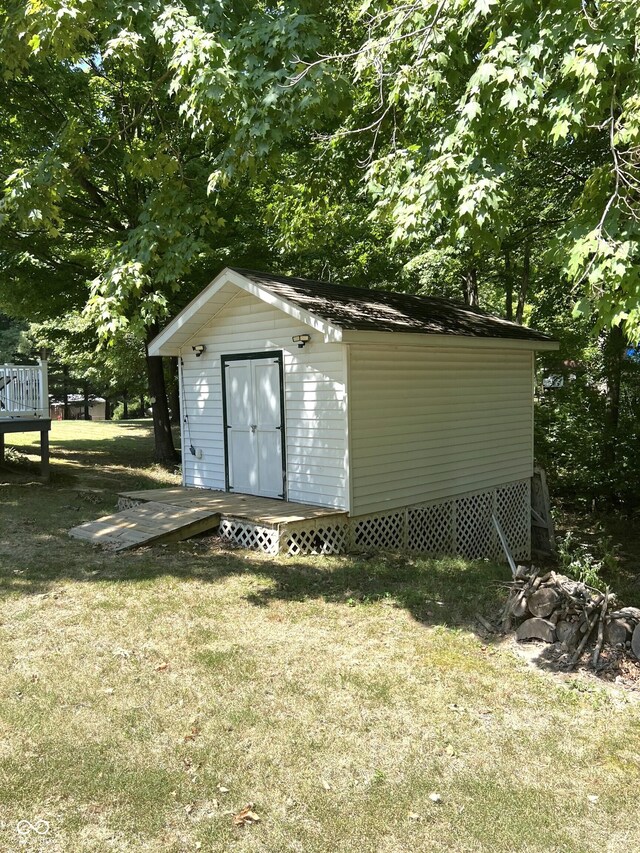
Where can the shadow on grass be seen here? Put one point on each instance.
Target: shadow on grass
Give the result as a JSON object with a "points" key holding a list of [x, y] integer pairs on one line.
{"points": [[444, 591], [79, 473], [36, 553]]}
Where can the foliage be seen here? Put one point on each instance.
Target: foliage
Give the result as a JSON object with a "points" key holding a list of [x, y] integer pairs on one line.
{"points": [[12, 339], [463, 98], [78, 362], [588, 459], [586, 562], [468, 148]]}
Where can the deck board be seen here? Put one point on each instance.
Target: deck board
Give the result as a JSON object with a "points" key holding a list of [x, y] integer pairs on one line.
{"points": [[268, 511], [148, 523]]}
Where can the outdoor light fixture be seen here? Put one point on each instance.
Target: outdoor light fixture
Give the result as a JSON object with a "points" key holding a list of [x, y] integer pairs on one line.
{"points": [[199, 349], [301, 340]]}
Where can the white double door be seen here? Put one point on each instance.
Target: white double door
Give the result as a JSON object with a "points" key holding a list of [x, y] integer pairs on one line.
{"points": [[254, 428]]}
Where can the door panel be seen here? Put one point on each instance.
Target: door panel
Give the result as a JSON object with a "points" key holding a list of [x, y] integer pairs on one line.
{"points": [[269, 457], [242, 473], [240, 440], [266, 385], [253, 427], [239, 403]]}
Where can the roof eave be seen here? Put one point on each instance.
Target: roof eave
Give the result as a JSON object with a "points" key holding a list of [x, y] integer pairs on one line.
{"points": [[426, 339]]}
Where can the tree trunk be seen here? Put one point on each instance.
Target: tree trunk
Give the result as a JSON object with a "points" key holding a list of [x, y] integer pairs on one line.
{"points": [[470, 287], [142, 406], [508, 285], [65, 392], [87, 412], [125, 408], [524, 282], [165, 451], [107, 409], [614, 348]]}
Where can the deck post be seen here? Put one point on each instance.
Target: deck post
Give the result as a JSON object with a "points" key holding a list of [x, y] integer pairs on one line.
{"points": [[44, 385], [44, 454]]}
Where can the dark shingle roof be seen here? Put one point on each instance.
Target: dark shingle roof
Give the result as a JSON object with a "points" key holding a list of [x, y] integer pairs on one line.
{"points": [[355, 308]]}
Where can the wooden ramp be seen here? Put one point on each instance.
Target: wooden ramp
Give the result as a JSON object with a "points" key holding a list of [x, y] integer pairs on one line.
{"points": [[147, 523]]}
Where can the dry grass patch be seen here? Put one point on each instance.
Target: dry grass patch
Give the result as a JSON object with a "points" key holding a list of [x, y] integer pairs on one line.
{"points": [[147, 697]]}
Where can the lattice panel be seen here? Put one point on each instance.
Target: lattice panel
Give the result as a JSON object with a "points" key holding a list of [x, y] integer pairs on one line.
{"points": [[474, 528], [430, 529], [324, 540], [513, 511], [128, 503], [381, 531], [458, 526], [249, 535]]}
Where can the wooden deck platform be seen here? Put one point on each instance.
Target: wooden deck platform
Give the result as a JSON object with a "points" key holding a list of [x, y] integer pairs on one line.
{"points": [[14, 423], [154, 516], [267, 511], [151, 522]]}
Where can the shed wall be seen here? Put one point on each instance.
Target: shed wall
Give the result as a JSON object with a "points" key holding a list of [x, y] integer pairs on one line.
{"points": [[429, 424], [314, 391]]}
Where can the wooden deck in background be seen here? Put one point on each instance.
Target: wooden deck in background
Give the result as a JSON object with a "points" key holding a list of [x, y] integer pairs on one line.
{"points": [[268, 511]]}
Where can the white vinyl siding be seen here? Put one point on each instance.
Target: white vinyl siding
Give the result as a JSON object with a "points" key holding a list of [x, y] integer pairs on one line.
{"points": [[428, 424], [315, 417]]}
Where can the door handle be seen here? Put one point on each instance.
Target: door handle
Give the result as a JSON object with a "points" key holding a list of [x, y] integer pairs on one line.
{"points": [[254, 427]]}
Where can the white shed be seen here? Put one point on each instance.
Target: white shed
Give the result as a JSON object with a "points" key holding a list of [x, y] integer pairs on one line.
{"points": [[412, 415]]}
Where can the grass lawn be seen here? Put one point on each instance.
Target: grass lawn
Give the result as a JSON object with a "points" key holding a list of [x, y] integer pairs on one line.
{"points": [[147, 697]]}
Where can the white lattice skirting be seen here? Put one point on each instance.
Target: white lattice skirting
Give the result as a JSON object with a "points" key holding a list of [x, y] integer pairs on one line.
{"points": [[127, 503], [461, 526]]}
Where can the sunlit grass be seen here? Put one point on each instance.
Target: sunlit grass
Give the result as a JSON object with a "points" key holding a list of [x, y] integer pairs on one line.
{"points": [[146, 697]]}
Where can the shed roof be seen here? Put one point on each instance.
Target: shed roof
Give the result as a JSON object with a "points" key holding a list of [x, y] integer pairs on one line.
{"points": [[348, 314], [361, 309]]}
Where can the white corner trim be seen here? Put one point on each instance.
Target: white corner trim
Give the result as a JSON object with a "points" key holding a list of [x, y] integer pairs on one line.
{"points": [[346, 370]]}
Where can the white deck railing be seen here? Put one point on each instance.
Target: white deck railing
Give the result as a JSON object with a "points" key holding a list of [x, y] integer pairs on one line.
{"points": [[24, 390]]}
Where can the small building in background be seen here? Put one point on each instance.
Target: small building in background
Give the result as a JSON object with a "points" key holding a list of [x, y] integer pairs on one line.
{"points": [[76, 408]]}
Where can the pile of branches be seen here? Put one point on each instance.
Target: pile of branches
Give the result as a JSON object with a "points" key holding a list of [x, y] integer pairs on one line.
{"points": [[556, 609]]}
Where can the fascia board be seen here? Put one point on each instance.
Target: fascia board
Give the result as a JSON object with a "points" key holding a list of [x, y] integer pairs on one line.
{"points": [[413, 339]]}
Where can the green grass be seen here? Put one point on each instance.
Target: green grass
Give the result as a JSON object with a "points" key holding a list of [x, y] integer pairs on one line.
{"points": [[334, 694]]}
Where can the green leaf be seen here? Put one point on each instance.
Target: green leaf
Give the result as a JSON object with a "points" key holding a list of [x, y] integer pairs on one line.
{"points": [[582, 308]]}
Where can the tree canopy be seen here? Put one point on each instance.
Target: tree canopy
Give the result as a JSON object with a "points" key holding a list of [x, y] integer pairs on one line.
{"points": [[478, 149]]}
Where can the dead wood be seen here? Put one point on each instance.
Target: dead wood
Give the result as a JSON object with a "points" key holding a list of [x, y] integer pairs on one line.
{"points": [[600, 640], [631, 614], [618, 632], [543, 602], [537, 629], [576, 655], [568, 633], [554, 608], [486, 624], [519, 605], [635, 641]]}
